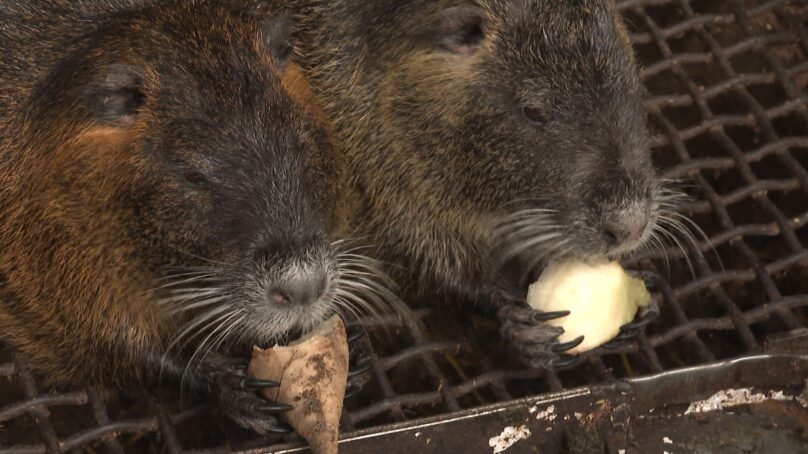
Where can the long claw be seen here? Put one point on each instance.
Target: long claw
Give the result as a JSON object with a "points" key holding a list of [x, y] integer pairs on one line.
{"points": [[359, 370], [350, 320], [233, 381], [352, 390], [636, 327], [562, 347], [272, 407], [626, 335], [611, 344], [644, 320], [650, 278], [355, 333], [545, 316], [562, 361], [633, 326], [614, 343], [239, 364], [280, 428], [251, 384]]}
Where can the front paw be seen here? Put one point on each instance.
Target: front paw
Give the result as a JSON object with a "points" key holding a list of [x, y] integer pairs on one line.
{"points": [[629, 332], [237, 397], [536, 342], [645, 315], [361, 356]]}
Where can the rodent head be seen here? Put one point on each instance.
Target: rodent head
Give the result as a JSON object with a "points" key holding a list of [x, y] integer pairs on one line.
{"points": [[169, 154], [529, 112]]}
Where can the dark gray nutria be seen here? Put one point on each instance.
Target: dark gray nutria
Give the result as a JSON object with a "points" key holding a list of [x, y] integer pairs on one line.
{"points": [[163, 202], [484, 138]]}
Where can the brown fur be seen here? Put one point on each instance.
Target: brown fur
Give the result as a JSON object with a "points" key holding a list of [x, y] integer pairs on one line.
{"points": [[218, 163], [59, 278]]}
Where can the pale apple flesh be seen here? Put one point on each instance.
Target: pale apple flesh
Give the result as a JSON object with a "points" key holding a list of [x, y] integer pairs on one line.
{"points": [[600, 296]]}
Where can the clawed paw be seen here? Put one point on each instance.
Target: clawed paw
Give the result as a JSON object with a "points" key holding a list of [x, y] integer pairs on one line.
{"points": [[645, 315], [534, 340], [629, 332], [237, 396]]}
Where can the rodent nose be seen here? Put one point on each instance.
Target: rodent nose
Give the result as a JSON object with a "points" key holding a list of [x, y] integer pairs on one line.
{"points": [[301, 289], [624, 230]]}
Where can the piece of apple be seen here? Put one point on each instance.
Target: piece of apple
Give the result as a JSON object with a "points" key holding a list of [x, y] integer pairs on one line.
{"points": [[600, 296]]}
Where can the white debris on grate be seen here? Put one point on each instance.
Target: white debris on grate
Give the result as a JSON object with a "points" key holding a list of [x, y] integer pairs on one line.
{"points": [[734, 397], [509, 436]]}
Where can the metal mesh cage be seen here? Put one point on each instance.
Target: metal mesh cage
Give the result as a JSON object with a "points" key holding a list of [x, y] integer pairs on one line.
{"points": [[727, 95]]}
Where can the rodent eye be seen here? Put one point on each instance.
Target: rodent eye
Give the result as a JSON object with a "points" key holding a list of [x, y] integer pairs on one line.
{"points": [[194, 177], [534, 115]]}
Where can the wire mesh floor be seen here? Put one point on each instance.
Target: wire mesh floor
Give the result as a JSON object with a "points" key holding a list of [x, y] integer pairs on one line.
{"points": [[727, 85]]}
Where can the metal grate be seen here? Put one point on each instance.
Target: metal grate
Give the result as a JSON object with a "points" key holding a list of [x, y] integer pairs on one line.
{"points": [[727, 88]]}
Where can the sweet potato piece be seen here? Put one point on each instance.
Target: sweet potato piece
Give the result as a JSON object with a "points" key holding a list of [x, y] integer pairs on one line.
{"points": [[312, 373]]}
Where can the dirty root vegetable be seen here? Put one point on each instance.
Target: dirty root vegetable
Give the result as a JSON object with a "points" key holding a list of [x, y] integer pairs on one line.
{"points": [[600, 296], [312, 373]]}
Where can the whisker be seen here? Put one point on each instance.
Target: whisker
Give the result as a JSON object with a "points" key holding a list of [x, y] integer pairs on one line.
{"points": [[194, 324], [193, 291], [202, 277], [215, 262], [536, 260], [221, 325], [347, 305], [671, 236], [693, 227], [348, 292], [363, 287], [170, 277], [227, 334], [188, 298], [197, 305], [528, 222], [660, 245], [526, 200], [533, 243]]}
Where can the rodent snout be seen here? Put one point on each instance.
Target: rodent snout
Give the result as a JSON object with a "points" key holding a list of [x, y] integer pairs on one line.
{"points": [[303, 287], [624, 229], [297, 268]]}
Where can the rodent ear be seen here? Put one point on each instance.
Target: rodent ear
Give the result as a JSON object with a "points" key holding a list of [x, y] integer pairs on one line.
{"points": [[277, 36], [459, 29], [116, 95]]}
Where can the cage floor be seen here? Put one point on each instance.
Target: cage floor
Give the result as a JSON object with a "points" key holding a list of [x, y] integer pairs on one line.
{"points": [[727, 95]]}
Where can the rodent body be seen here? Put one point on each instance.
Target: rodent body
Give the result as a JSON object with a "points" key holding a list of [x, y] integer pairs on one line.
{"points": [[484, 138], [161, 195]]}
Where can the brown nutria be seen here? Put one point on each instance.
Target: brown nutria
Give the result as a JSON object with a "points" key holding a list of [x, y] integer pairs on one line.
{"points": [[164, 203], [483, 139]]}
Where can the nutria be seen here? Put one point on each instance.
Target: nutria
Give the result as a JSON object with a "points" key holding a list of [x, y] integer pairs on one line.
{"points": [[484, 138], [164, 203]]}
